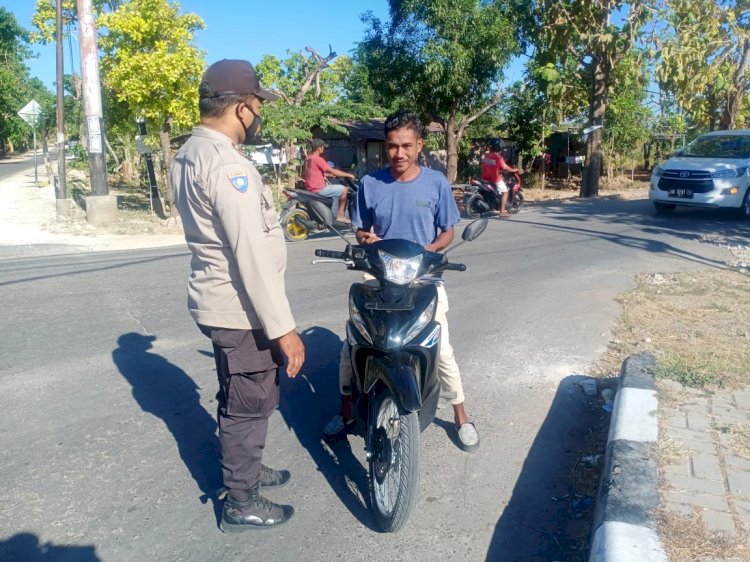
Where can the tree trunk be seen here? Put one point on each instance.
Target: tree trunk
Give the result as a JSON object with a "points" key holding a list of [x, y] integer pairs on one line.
{"points": [[737, 90], [598, 104], [451, 147], [166, 156]]}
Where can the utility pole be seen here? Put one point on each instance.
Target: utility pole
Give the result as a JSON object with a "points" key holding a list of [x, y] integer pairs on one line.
{"points": [[101, 208], [60, 201]]}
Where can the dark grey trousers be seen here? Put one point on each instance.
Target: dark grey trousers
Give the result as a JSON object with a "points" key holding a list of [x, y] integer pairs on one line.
{"points": [[247, 364]]}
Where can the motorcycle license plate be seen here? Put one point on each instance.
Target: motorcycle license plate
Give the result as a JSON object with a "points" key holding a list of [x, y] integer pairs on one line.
{"points": [[680, 193]]}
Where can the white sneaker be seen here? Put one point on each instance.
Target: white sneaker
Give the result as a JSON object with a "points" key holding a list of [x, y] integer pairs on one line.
{"points": [[468, 438]]}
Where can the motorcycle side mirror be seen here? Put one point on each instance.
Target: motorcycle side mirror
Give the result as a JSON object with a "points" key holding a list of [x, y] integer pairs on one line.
{"points": [[471, 232], [474, 230]]}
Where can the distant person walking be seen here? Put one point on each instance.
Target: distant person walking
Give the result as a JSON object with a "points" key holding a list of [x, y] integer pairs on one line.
{"points": [[236, 289]]}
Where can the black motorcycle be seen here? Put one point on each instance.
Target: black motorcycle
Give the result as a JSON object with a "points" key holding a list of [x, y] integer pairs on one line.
{"points": [[481, 197], [297, 221], [394, 343]]}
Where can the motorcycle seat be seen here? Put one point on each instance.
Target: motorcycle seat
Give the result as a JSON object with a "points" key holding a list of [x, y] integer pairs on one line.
{"points": [[304, 193]]}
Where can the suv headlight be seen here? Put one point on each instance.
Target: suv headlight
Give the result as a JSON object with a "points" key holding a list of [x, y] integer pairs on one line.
{"points": [[658, 171], [728, 174], [425, 318], [398, 270]]}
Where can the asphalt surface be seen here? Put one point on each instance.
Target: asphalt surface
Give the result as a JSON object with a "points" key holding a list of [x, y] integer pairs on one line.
{"points": [[108, 448]]}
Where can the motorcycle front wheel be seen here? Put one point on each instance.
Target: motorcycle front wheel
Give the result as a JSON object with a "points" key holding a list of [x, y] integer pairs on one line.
{"points": [[516, 204], [394, 464], [292, 223], [475, 206]]}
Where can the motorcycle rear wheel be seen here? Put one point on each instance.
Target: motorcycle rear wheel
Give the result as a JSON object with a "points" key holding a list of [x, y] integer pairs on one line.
{"points": [[291, 223], [394, 464], [475, 206], [516, 204]]}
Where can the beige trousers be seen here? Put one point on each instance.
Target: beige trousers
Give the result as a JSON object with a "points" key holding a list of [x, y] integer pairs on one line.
{"points": [[448, 373]]}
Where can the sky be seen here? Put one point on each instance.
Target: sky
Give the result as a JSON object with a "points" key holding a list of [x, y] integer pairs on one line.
{"points": [[245, 29]]}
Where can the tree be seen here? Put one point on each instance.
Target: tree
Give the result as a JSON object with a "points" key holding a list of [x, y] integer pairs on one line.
{"points": [[584, 31], [313, 91], [151, 66], [16, 86], [704, 54], [628, 120], [443, 58]]}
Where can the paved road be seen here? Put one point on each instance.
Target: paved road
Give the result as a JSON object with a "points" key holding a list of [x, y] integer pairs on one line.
{"points": [[12, 166], [108, 448]]}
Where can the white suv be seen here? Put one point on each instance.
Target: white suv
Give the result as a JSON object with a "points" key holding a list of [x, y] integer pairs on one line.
{"points": [[712, 171]]}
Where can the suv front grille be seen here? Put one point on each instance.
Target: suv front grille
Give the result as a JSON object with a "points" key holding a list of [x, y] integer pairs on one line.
{"points": [[687, 174], [695, 185]]}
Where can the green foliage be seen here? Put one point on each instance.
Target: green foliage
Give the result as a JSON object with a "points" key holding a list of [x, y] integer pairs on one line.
{"points": [[628, 122], [305, 106], [442, 58], [149, 62], [16, 86], [701, 50]]}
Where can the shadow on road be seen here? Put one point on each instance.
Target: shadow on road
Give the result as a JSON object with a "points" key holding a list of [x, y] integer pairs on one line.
{"points": [[544, 519], [25, 547], [167, 392], [308, 404], [686, 224]]}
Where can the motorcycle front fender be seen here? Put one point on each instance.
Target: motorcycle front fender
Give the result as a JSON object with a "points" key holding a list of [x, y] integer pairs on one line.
{"points": [[400, 378]]}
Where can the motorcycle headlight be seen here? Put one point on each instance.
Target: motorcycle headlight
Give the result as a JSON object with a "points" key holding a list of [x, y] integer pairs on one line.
{"points": [[658, 171], [356, 319], [728, 174], [425, 318], [398, 270]]}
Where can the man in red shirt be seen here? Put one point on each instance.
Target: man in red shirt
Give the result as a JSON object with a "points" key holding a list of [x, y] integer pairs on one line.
{"points": [[492, 164], [316, 170]]}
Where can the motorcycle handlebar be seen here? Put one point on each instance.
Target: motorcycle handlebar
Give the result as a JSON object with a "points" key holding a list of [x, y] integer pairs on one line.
{"points": [[455, 267], [330, 254]]}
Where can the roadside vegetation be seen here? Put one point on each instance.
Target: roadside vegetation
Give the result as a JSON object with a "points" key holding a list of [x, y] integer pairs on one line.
{"points": [[654, 73]]}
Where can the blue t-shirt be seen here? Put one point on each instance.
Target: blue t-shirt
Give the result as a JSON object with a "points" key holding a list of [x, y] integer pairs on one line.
{"points": [[416, 210]]}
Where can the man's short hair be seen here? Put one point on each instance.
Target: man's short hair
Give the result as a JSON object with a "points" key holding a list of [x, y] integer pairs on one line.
{"points": [[403, 118], [213, 104]]}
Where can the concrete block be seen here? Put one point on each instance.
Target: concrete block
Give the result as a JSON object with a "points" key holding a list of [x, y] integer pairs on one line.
{"points": [[101, 209], [742, 399], [695, 405], [706, 466], [718, 521], [689, 436], [739, 482], [736, 463], [701, 501], [698, 421], [743, 507], [624, 542], [676, 419], [696, 485], [680, 508], [634, 416], [683, 468], [62, 208]]}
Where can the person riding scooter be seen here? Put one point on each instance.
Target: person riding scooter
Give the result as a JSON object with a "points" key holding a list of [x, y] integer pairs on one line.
{"points": [[316, 170], [492, 164]]}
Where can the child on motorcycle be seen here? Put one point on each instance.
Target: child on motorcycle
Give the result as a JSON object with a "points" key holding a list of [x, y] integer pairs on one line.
{"points": [[492, 164]]}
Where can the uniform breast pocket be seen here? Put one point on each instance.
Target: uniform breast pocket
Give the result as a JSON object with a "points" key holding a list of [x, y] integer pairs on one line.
{"points": [[268, 208]]}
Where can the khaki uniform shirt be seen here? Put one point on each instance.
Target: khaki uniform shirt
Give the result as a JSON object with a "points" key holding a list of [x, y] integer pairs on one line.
{"points": [[232, 228]]}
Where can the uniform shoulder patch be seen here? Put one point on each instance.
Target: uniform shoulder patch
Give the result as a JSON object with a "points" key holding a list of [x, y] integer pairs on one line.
{"points": [[239, 181]]}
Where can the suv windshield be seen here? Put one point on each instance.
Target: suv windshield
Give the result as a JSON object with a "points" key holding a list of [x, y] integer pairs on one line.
{"points": [[719, 146]]}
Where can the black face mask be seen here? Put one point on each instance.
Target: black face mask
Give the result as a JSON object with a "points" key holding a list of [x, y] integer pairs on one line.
{"points": [[252, 133]]}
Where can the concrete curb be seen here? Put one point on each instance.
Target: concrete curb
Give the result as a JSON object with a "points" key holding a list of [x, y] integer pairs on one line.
{"points": [[624, 529]]}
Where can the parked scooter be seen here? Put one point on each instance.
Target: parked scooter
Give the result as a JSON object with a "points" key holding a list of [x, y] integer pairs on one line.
{"points": [[481, 197], [394, 342], [297, 221]]}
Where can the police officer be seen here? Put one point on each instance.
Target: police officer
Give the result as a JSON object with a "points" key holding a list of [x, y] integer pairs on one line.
{"points": [[236, 290]]}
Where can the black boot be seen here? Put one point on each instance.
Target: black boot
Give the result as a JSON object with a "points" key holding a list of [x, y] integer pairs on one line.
{"points": [[270, 478], [252, 512]]}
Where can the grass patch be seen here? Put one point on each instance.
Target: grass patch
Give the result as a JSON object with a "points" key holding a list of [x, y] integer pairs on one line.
{"points": [[686, 539], [693, 372]]}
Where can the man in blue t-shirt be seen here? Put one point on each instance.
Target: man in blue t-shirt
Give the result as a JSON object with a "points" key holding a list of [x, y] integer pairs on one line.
{"points": [[414, 203]]}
